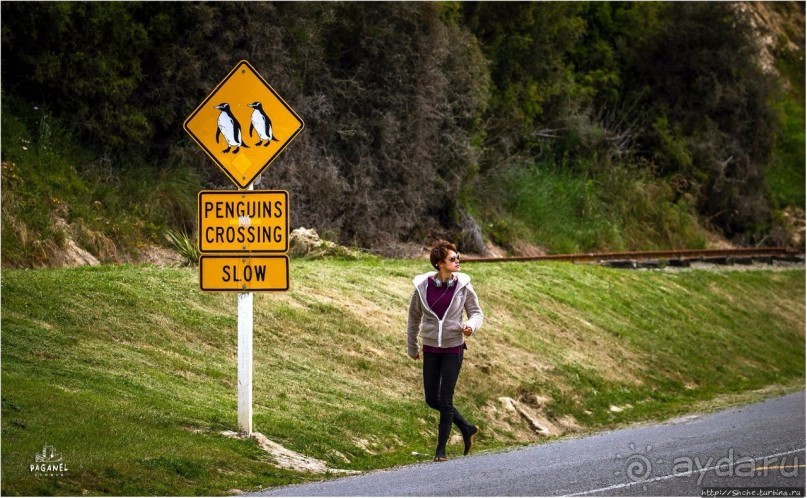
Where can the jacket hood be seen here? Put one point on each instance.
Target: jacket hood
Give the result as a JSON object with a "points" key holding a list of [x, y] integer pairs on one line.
{"points": [[463, 279]]}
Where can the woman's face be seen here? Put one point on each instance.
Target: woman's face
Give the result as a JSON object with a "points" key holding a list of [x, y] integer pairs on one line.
{"points": [[452, 262]]}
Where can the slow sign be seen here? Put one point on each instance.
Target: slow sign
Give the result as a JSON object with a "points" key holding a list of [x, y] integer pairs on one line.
{"points": [[244, 273]]}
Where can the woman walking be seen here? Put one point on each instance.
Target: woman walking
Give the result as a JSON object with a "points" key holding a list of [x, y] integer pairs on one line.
{"points": [[435, 312]]}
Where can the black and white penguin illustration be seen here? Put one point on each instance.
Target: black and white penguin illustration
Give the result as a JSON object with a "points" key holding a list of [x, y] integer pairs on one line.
{"points": [[230, 128], [262, 124]]}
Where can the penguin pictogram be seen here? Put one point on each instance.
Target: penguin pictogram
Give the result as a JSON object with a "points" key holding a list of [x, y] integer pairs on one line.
{"points": [[230, 128], [262, 124]]}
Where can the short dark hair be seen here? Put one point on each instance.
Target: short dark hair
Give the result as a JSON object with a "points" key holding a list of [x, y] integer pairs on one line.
{"points": [[440, 252]]}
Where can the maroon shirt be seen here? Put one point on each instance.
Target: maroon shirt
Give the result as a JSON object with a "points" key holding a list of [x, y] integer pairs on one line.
{"points": [[438, 299]]}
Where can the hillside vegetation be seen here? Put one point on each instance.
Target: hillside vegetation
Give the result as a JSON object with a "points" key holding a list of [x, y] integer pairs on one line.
{"points": [[571, 126], [129, 371]]}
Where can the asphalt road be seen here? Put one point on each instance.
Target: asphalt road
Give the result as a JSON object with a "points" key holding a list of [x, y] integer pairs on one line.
{"points": [[759, 445]]}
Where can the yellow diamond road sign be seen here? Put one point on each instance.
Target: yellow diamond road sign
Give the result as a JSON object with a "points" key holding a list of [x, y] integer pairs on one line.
{"points": [[243, 125]]}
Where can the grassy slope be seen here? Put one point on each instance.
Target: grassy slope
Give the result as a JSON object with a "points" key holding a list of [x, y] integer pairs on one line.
{"points": [[55, 191], [567, 213], [130, 371]]}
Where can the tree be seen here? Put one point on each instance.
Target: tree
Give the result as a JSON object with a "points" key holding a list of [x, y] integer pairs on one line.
{"points": [[708, 103], [528, 44]]}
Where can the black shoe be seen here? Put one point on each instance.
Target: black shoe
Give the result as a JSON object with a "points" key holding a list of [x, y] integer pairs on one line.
{"points": [[468, 438], [440, 455]]}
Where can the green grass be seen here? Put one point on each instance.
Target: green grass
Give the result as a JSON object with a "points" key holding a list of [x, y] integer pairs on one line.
{"points": [[565, 212], [130, 371], [551, 209], [786, 174]]}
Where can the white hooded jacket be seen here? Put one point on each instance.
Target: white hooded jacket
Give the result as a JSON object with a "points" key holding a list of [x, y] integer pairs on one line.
{"points": [[445, 333]]}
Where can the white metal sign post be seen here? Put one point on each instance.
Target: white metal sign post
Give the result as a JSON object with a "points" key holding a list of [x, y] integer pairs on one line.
{"points": [[245, 362], [243, 125], [245, 324]]}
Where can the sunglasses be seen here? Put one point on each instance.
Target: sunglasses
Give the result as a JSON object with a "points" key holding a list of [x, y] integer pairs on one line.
{"points": [[454, 258]]}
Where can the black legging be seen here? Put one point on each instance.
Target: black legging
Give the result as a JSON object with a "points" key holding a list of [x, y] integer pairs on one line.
{"points": [[440, 373]]}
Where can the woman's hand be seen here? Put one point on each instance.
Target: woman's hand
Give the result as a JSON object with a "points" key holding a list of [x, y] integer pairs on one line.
{"points": [[467, 331], [416, 357]]}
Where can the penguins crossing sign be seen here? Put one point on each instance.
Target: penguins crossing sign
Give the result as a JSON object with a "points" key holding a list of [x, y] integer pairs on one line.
{"points": [[236, 228], [243, 125], [251, 221]]}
